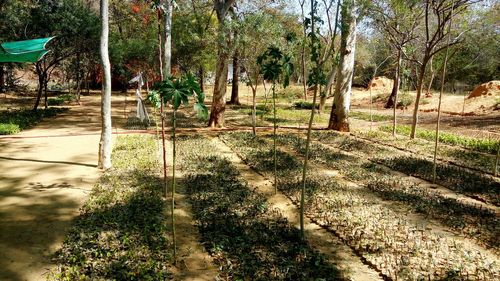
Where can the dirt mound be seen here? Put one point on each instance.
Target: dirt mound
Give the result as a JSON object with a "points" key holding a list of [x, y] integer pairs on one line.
{"points": [[487, 89], [381, 83]]}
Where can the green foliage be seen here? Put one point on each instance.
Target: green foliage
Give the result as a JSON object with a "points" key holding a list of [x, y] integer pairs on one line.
{"points": [[9, 129], [275, 66], [177, 92], [121, 233], [304, 105], [483, 145], [26, 118], [405, 100], [366, 116], [61, 99]]}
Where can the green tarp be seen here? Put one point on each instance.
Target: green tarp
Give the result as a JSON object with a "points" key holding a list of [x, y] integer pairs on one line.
{"points": [[24, 51]]}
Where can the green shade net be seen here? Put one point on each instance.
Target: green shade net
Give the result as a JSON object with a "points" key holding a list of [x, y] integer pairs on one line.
{"points": [[24, 51]]}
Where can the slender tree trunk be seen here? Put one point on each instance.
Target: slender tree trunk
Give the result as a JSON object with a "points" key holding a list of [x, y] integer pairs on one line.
{"points": [[46, 103], [174, 154], [322, 100], [2, 79], [254, 110], [105, 142], [431, 80], [303, 53], [496, 160], [167, 66], [443, 75], [391, 102], [41, 79], [275, 160], [201, 73], [339, 117], [395, 91], [160, 52], [420, 85], [236, 81]]}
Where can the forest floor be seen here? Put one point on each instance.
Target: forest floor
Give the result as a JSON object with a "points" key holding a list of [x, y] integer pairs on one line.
{"points": [[365, 174]]}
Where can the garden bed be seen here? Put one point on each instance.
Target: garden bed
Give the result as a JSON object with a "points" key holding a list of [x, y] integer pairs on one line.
{"points": [[121, 233], [385, 236], [247, 238]]}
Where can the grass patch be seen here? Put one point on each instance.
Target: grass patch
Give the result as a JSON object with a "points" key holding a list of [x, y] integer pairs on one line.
{"points": [[121, 233], [26, 118], [9, 129], [366, 116], [482, 145]]}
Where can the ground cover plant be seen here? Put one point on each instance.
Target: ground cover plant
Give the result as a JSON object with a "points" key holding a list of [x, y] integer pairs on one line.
{"points": [[457, 155], [482, 145], [367, 117], [484, 188], [398, 246], [121, 233], [12, 122], [247, 238]]}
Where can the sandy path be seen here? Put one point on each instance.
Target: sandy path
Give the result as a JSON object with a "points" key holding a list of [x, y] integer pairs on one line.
{"points": [[46, 174]]}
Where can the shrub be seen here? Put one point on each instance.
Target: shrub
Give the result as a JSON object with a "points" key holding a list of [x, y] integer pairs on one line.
{"points": [[26, 118], [304, 105], [9, 129], [55, 101], [405, 100]]}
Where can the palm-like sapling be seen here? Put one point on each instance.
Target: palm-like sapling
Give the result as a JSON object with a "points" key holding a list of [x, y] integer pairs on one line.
{"points": [[275, 65], [177, 91]]}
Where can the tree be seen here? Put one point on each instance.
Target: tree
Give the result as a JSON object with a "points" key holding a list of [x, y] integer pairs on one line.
{"points": [[398, 19], [105, 142], [222, 8], [275, 66], [340, 110], [75, 26], [437, 16], [177, 92], [168, 10]]}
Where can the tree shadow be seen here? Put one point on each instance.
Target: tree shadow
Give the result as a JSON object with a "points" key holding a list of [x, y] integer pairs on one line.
{"points": [[247, 238]]}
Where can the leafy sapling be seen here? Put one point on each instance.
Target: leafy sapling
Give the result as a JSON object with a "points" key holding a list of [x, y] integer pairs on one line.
{"points": [[177, 92], [275, 66]]}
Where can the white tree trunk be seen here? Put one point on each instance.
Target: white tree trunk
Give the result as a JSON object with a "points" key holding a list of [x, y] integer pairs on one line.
{"points": [[167, 64], [105, 142], [339, 117]]}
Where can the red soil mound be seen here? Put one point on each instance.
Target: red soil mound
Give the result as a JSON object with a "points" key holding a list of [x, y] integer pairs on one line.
{"points": [[491, 88]]}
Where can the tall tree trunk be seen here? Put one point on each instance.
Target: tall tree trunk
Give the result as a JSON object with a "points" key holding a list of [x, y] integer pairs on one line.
{"points": [[236, 81], [339, 117], [219, 97], [105, 142], [391, 102], [303, 52], [41, 83], [167, 61], [396, 91], [420, 85], [322, 99]]}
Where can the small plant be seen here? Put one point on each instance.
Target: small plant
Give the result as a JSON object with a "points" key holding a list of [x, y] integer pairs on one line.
{"points": [[275, 65], [9, 129], [405, 100], [177, 92], [26, 118]]}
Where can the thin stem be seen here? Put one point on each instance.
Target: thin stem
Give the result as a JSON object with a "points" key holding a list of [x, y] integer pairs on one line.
{"points": [[304, 169], [162, 114], [436, 140], [274, 140], [174, 120], [496, 161]]}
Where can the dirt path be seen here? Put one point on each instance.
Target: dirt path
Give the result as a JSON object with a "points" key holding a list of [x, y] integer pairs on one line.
{"points": [[320, 239], [193, 262], [46, 174]]}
